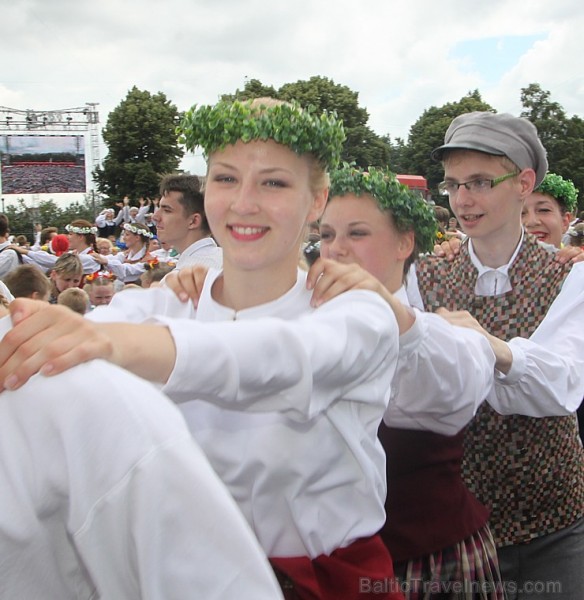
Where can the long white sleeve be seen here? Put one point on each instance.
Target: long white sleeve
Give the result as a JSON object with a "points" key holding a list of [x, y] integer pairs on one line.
{"points": [[546, 378], [124, 271], [44, 260], [444, 373], [547, 373], [346, 347]]}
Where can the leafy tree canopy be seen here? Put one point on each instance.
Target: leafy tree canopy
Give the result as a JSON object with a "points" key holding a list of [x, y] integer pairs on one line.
{"points": [[22, 218], [362, 146], [428, 132], [142, 145]]}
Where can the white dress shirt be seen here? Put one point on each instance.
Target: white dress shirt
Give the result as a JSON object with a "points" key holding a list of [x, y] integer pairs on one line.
{"points": [[8, 259], [205, 252], [285, 401], [277, 381], [444, 373]]}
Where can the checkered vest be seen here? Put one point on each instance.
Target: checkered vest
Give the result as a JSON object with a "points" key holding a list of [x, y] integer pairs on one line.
{"points": [[528, 471]]}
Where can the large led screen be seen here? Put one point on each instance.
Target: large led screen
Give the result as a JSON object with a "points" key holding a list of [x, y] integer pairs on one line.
{"points": [[42, 164]]}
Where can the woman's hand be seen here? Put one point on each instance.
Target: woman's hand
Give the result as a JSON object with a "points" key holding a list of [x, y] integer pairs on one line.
{"points": [[187, 283], [99, 258], [501, 350], [48, 339], [328, 278]]}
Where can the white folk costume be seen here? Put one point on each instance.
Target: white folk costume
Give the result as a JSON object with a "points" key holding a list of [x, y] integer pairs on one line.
{"points": [[128, 266], [289, 399], [9, 259], [546, 378], [205, 252], [105, 495]]}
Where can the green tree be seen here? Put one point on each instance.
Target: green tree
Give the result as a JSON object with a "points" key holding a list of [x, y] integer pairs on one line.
{"points": [[253, 88], [397, 149], [362, 146], [428, 132], [22, 217], [142, 145]]}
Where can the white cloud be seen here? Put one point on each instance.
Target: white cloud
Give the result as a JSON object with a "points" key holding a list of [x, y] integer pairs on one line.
{"points": [[396, 54]]}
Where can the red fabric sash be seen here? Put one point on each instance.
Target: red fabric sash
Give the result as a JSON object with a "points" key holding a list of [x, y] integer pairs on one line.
{"points": [[362, 570]]}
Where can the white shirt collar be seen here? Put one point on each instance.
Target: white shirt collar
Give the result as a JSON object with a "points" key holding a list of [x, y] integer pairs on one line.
{"points": [[202, 243], [493, 281]]}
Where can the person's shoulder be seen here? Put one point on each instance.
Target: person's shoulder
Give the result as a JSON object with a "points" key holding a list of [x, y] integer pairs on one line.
{"points": [[101, 397]]}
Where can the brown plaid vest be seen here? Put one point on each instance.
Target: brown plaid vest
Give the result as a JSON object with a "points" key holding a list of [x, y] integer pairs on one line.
{"points": [[528, 471]]}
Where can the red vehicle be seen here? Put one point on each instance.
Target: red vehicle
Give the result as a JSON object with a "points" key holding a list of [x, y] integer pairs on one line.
{"points": [[417, 183]]}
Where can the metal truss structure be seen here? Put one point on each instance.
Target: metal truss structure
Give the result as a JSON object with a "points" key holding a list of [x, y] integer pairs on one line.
{"points": [[66, 120]]}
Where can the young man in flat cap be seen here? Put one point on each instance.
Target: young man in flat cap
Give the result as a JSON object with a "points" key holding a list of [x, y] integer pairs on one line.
{"points": [[523, 457]]}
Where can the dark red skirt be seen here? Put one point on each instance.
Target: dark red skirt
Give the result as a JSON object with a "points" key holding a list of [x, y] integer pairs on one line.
{"points": [[362, 570]]}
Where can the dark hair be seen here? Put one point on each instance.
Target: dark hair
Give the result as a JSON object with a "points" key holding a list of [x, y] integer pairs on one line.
{"points": [[89, 237], [46, 234], [4, 229], [191, 197], [442, 215], [25, 280]]}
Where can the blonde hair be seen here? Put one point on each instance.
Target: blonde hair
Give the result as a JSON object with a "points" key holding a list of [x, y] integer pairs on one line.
{"points": [[101, 240], [74, 298], [66, 265]]}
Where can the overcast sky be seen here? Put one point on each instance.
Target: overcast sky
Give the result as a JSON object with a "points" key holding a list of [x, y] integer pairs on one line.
{"points": [[400, 56]]}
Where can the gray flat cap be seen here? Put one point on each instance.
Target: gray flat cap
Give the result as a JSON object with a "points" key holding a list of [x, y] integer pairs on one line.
{"points": [[500, 135]]}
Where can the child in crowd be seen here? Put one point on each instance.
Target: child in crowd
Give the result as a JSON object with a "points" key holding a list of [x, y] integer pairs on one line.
{"points": [[74, 298], [100, 287], [67, 273], [28, 281]]}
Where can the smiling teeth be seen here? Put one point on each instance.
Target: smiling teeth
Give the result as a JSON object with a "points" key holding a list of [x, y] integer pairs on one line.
{"points": [[248, 230]]}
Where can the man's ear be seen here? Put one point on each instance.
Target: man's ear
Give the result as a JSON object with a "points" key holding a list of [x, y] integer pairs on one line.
{"points": [[526, 179], [196, 221]]}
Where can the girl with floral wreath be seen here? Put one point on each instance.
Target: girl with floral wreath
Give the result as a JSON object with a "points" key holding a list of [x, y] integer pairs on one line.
{"points": [[284, 398], [82, 236], [436, 530], [128, 266], [548, 210]]}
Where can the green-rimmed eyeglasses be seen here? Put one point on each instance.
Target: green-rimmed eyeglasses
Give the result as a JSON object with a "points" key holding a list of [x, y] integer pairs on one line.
{"points": [[474, 186]]}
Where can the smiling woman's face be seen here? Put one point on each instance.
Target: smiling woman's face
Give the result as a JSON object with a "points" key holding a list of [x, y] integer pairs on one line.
{"points": [[543, 217]]}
